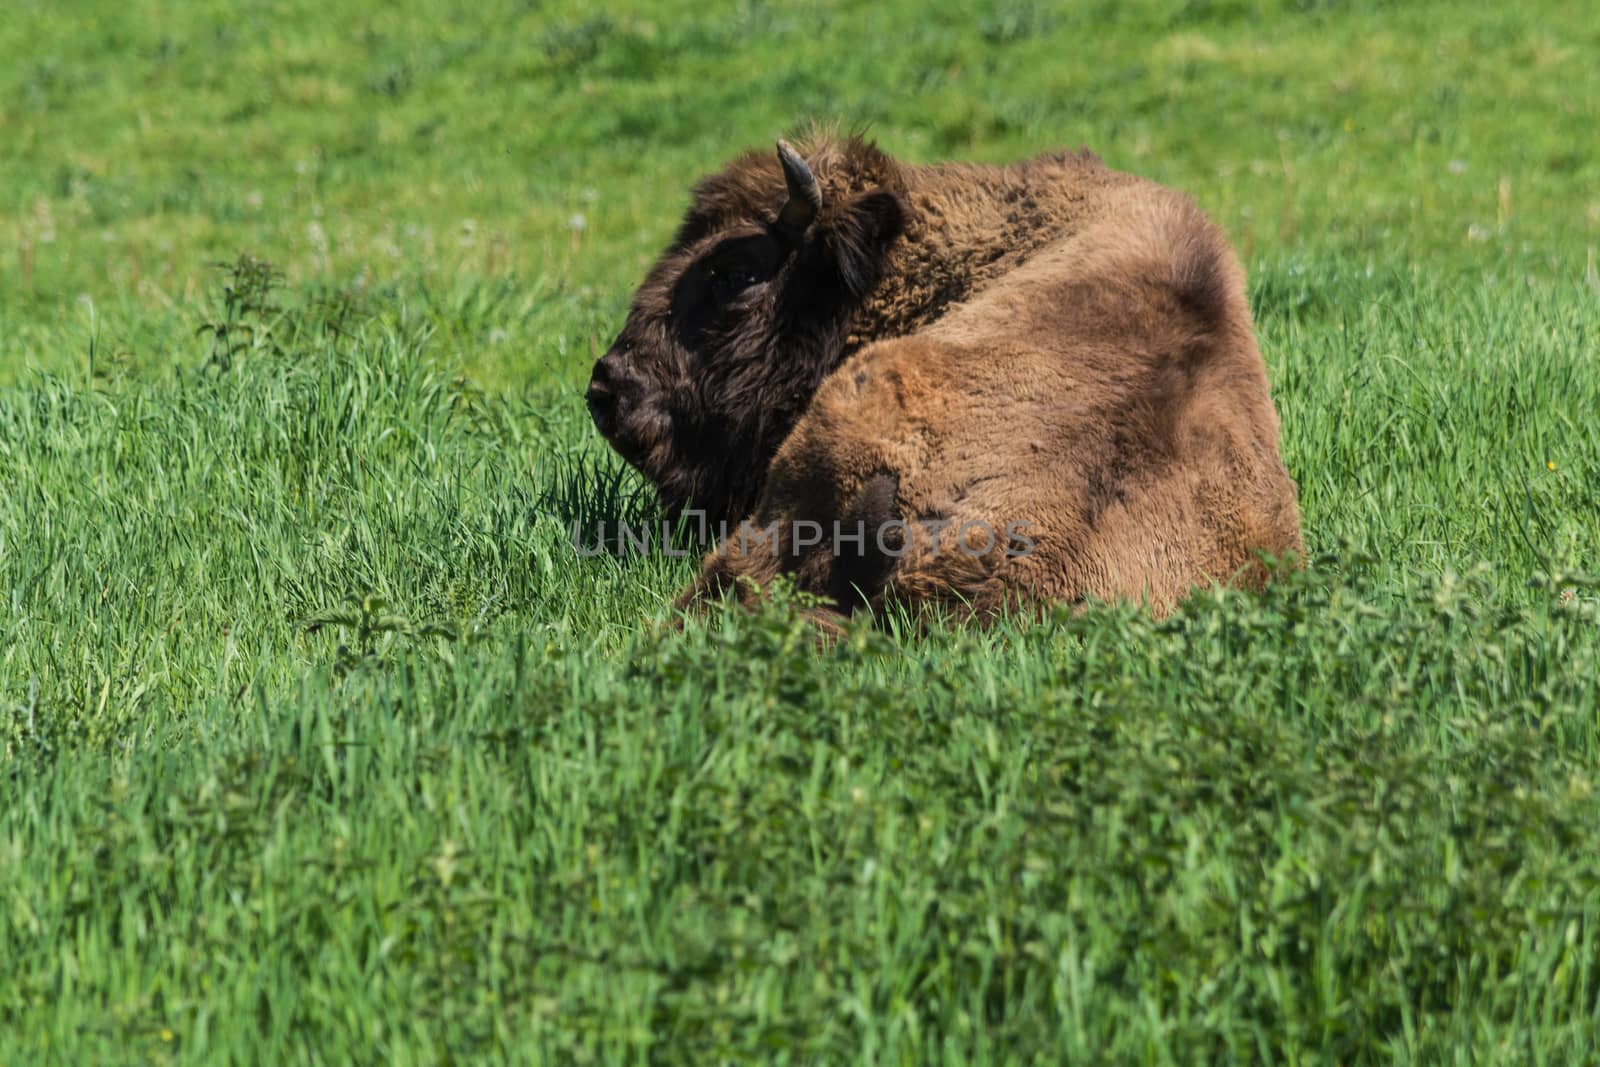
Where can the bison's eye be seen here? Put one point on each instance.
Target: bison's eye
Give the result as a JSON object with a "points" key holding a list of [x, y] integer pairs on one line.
{"points": [[714, 285], [727, 281]]}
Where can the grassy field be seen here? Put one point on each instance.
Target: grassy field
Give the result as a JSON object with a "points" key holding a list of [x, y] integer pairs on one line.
{"points": [[319, 742]]}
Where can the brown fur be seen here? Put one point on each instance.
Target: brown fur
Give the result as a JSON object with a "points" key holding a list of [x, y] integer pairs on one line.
{"points": [[1052, 349]]}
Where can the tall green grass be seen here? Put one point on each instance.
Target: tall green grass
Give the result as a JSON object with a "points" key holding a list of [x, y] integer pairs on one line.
{"points": [[321, 742]]}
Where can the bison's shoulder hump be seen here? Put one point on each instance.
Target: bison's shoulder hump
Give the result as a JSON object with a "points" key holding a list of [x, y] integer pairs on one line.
{"points": [[1166, 240]]}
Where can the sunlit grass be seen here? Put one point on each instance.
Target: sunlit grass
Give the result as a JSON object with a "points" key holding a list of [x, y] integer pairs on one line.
{"points": [[320, 741]]}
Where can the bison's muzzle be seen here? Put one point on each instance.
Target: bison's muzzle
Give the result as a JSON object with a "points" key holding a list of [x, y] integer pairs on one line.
{"points": [[613, 392]]}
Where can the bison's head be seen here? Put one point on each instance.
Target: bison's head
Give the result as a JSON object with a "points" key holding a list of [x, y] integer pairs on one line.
{"points": [[741, 318]]}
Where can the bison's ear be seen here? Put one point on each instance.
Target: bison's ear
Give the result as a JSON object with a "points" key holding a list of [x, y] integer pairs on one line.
{"points": [[860, 238]]}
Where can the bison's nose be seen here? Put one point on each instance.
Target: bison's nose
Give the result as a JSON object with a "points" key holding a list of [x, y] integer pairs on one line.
{"points": [[606, 385], [602, 404]]}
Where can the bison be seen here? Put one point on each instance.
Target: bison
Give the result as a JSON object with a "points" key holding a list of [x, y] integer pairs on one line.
{"points": [[965, 385]]}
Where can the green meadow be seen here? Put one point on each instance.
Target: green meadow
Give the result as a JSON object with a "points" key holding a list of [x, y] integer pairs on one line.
{"points": [[321, 743]]}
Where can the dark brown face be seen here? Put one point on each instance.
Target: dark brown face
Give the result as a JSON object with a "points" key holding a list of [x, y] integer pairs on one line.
{"points": [[736, 326]]}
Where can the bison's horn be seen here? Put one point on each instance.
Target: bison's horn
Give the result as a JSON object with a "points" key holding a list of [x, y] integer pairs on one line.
{"points": [[805, 197]]}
